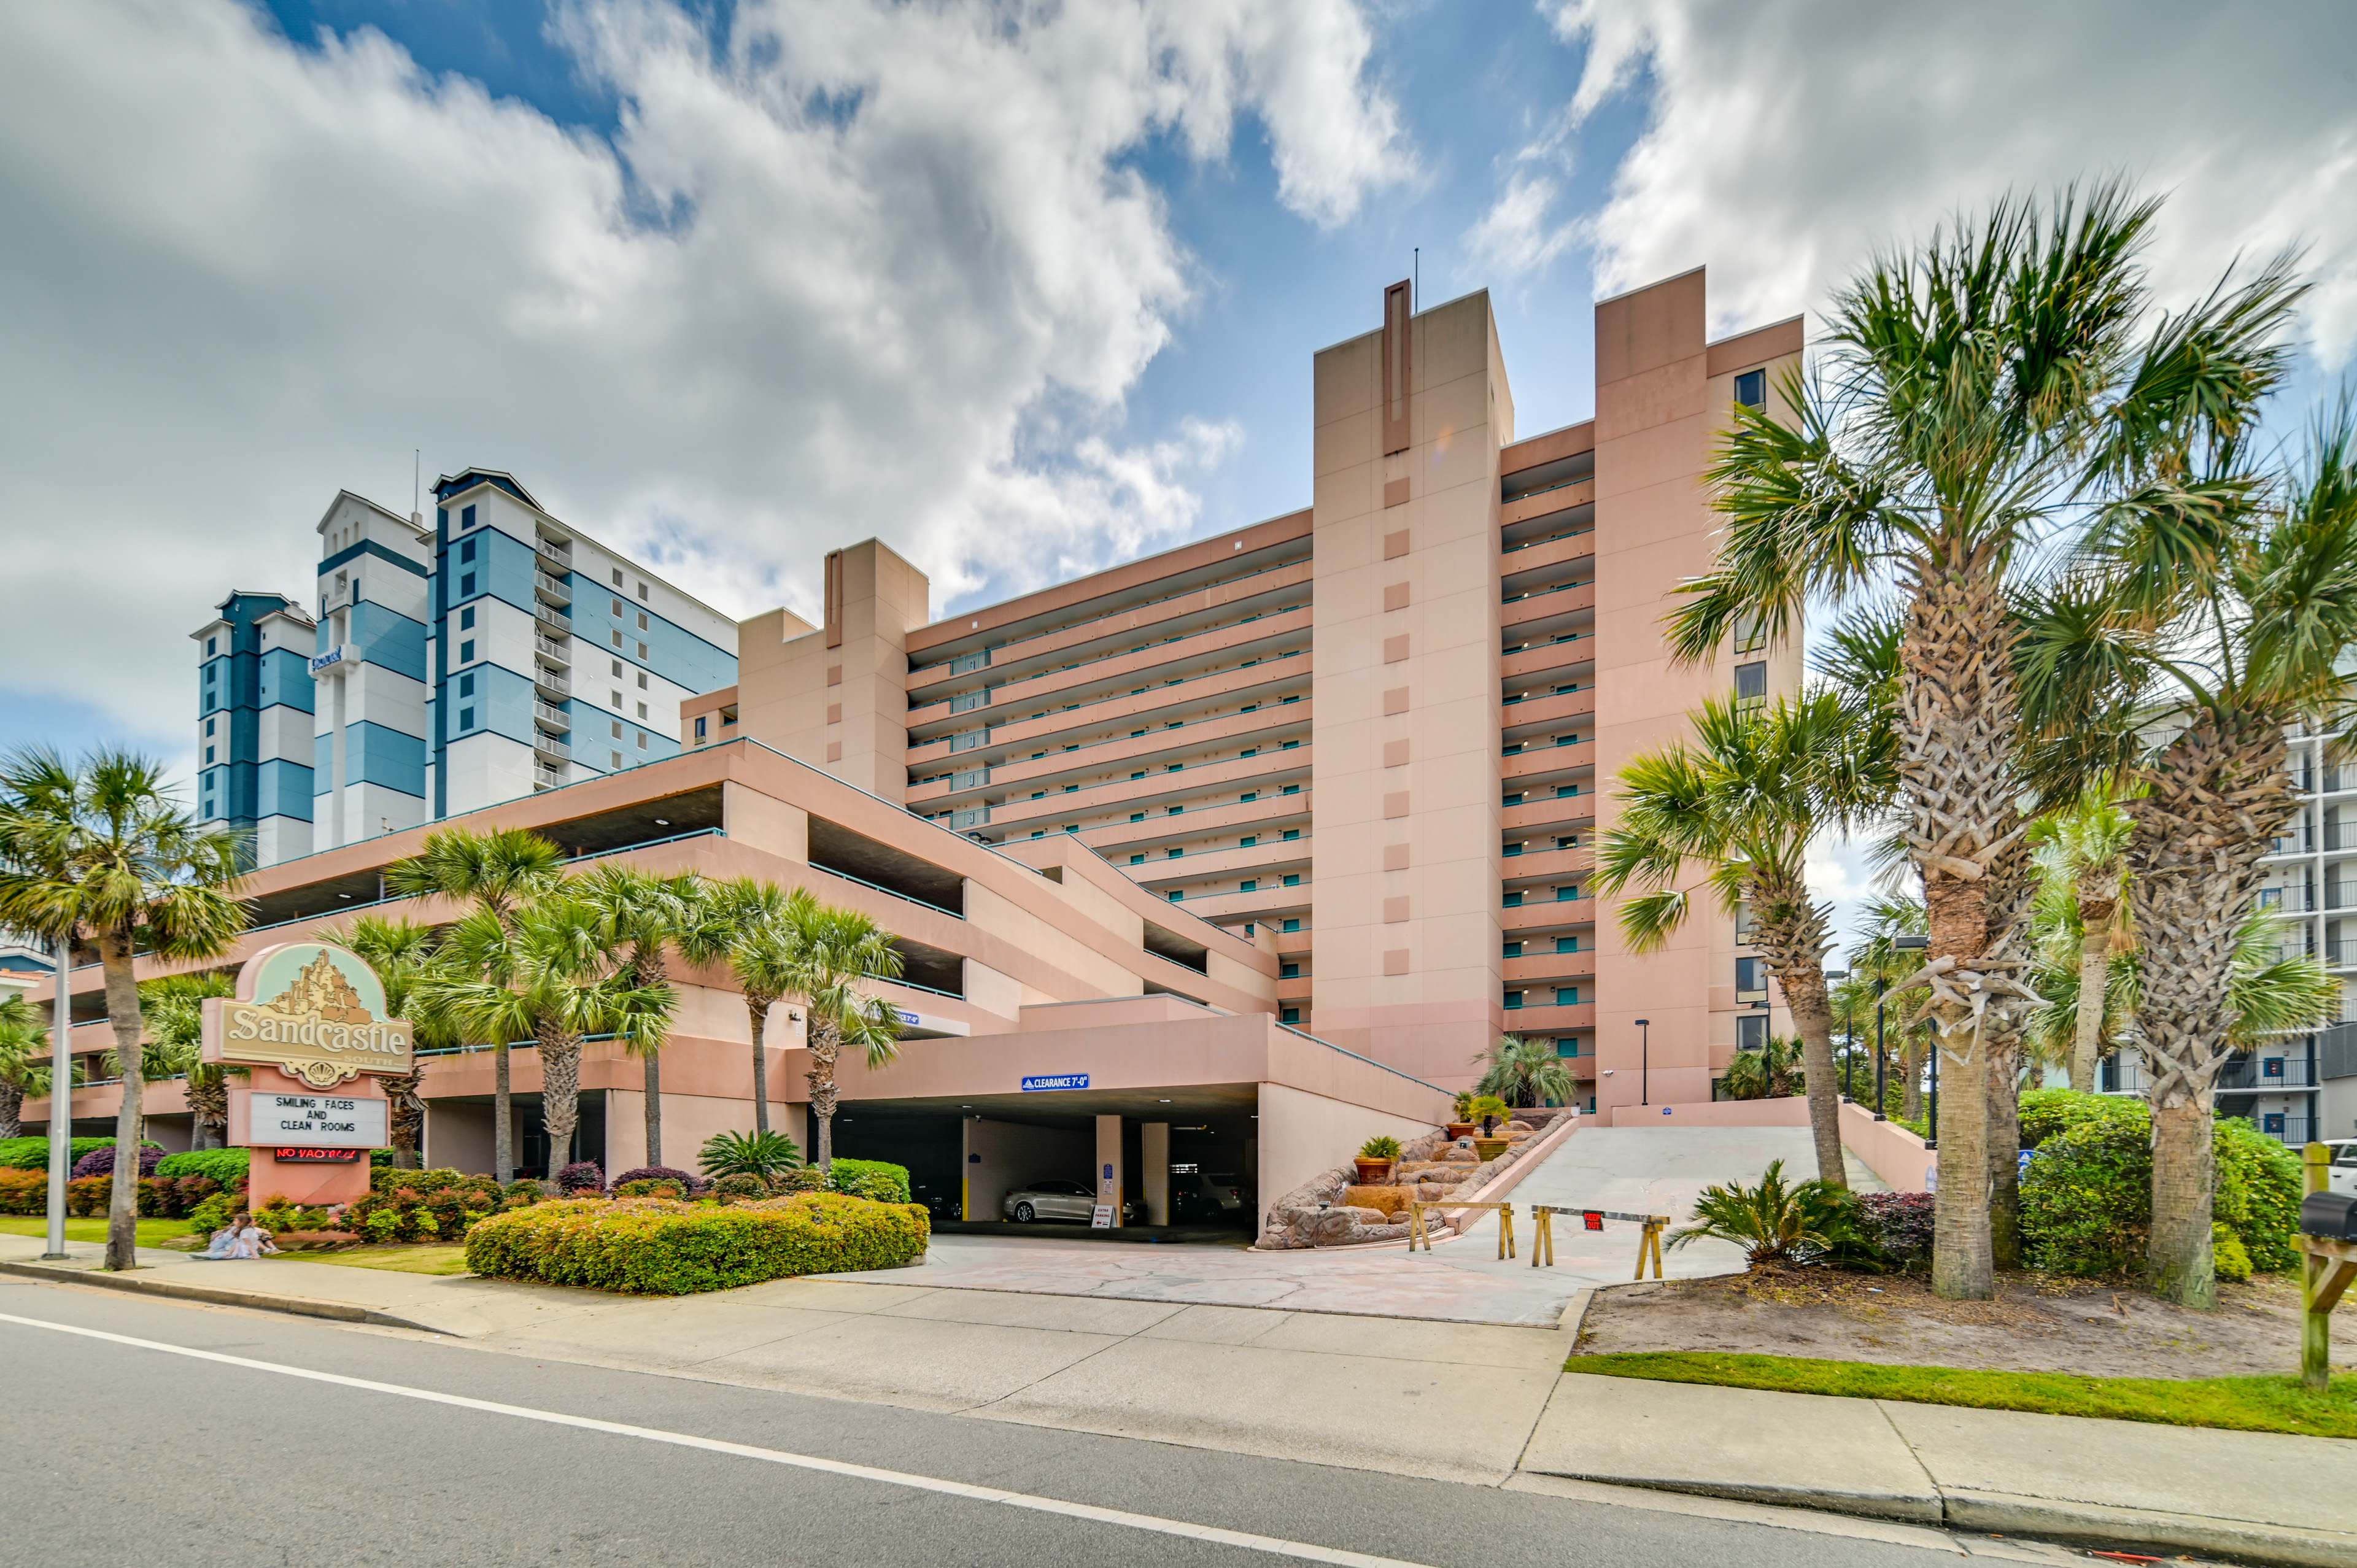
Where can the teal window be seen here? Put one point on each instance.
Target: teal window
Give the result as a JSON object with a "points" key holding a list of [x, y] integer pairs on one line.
{"points": [[1248, 840], [1566, 1045], [1566, 995], [1249, 885], [1293, 879], [467, 618], [1513, 798], [1288, 971], [1514, 950], [467, 550], [466, 652], [1177, 894], [1172, 853], [1293, 789], [1514, 899], [1751, 389], [1514, 1001], [1565, 791], [1289, 1015], [1249, 796], [1293, 923], [1567, 944], [466, 685], [465, 517], [466, 586], [1292, 833], [1138, 860], [466, 719], [1566, 893]]}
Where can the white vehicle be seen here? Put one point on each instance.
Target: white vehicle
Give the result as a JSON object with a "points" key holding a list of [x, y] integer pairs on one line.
{"points": [[2342, 1178]]}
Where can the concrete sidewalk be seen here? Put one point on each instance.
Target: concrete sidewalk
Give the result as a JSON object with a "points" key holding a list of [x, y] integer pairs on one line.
{"points": [[1471, 1403]]}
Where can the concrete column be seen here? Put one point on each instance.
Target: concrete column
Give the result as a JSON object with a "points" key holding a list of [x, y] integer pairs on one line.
{"points": [[1108, 1168], [1154, 1153]]}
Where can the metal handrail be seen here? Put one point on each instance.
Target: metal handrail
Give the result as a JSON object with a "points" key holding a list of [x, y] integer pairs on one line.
{"points": [[889, 893]]}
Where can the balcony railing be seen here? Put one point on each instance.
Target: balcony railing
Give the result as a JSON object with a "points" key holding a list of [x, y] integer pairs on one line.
{"points": [[2341, 954], [2297, 842], [2341, 895], [547, 778], [552, 588], [2265, 1075], [2121, 1074], [556, 550], [2291, 900], [548, 648], [549, 680], [549, 617], [2291, 1130], [553, 717], [549, 746]]}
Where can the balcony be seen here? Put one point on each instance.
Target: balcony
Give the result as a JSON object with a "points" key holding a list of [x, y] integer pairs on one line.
{"points": [[1535, 967], [2265, 1075], [549, 746], [547, 778], [553, 650], [551, 682], [552, 718], [2297, 901], [1551, 1019], [562, 624], [2293, 1131], [1551, 915], [550, 590], [557, 552]]}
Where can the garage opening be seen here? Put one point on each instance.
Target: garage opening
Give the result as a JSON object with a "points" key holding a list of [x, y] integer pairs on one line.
{"points": [[1176, 1166]]}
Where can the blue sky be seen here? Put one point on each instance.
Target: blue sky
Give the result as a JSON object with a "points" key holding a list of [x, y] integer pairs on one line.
{"points": [[1023, 289]]}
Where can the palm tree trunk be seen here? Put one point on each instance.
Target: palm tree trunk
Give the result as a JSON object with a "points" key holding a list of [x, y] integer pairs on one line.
{"points": [[823, 1048], [559, 1094], [1792, 938], [2004, 1048], [757, 1008], [2219, 794], [654, 1108], [11, 1111], [502, 1117], [2094, 972], [123, 1012], [1910, 1083]]}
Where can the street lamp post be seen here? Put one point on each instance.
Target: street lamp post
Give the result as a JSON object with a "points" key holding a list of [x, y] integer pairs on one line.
{"points": [[60, 1098], [1880, 1097], [1849, 1020], [1916, 944], [1644, 1063]]}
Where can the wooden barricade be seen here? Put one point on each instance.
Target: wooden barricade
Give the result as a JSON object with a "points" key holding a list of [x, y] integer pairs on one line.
{"points": [[1416, 1231], [1648, 1240]]}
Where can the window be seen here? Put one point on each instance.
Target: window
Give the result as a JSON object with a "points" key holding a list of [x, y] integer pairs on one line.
{"points": [[1514, 950], [618, 668], [1566, 892], [642, 740], [615, 702], [1290, 744], [209, 726], [466, 586], [617, 639], [1293, 789], [1514, 1001], [699, 726], [1249, 796], [1751, 389], [1564, 791], [643, 650], [1511, 798], [467, 618], [212, 646], [1566, 995], [1248, 840], [1512, 850], [466, 652], [1291, 1014], [618, 582], [1288, 971], [1293, 879], [209, 754], [1751, 682], [466, 719], [1567, 1045], [1567, 944], [1068, 789], [211, 670], [467, 552], [642, 710], [466, 685], [617, 757], [1514, 899], [1172, 853], [642, 679], [616, 726], [1750, 975], [1177, 894], [1249, 885], [618, 610], [465, 517], [1137, 816], [1751, 1032], [1172, 810], [642, 620], [1751, 632], [1292, 833], [1293, 923], [1138, 860], [1249, 751]]}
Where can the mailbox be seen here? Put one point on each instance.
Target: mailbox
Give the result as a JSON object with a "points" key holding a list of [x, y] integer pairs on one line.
{"points": [[2329, 1215]]}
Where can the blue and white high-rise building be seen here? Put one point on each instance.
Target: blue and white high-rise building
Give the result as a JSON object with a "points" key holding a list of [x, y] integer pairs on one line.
{"points": [[253, 721], [495, 652]]}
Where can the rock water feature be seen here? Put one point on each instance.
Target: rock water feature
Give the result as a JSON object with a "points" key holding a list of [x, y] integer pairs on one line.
{"points": [[1333, 1209]]}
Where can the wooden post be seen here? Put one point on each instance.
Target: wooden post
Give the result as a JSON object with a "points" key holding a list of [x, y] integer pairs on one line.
{"points": [[1415, 1231], [1648, 1246], [1542, 1236], [1505, 1231]]}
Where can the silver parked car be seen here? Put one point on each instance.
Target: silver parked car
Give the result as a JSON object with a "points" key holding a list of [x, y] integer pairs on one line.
{"points": [[1054, 1199]]}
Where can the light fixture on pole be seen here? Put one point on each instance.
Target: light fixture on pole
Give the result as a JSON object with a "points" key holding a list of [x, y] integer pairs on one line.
{"points": [[1644, 1063], [1931, 1127]]}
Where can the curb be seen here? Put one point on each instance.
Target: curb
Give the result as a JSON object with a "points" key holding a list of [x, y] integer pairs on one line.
{"points": [[2047, 1519], [259, 1301]]}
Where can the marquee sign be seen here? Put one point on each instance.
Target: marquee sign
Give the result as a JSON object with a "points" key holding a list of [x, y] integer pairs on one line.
{"points": [[314, 1012], [308, 1121]]}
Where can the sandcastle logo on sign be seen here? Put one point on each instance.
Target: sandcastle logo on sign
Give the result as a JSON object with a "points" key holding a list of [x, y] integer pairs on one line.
{"points": [[323, 1021]]}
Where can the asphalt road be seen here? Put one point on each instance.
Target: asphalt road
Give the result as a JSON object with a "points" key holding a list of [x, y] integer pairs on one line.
{"points": [[121, 1449]]}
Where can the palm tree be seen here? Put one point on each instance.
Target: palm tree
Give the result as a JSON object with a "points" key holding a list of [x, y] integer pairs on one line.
{"points": [[2204, 636], [1992, 387], [1767, 1073], [102, 849], [747, 923], [404, 954], [2082, 857], [546, 973], [174, 1008], [495, 872], [836, 950], [1742, 803], [1524, 1072], [644, 912], [24, 1045]]}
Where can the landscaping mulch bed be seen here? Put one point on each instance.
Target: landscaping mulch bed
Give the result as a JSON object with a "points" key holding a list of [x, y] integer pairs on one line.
{"points": [[2037, 1323]]}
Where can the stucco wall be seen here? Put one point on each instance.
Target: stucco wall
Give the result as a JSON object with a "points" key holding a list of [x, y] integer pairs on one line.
{"points": [[1302, 1133]]}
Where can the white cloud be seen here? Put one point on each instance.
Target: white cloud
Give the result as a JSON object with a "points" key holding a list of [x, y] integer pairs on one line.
{"points": [[1784, 144], [1519, 233], [853, 267]]}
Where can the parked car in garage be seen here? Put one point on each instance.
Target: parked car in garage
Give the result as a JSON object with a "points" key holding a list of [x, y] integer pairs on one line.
{"points": [[1198, 1197], [1053, 1199]]}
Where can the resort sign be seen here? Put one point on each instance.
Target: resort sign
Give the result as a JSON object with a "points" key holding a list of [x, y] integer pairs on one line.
{"points": [[312, 1011]]}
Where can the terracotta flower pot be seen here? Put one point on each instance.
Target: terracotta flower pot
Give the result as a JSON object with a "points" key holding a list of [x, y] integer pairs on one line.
{"points": [[1460, 1130], [1372, 1173]]}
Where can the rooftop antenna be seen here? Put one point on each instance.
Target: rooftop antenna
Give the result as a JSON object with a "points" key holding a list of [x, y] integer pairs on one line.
{"points": [[417, 487], [1415, 278]]}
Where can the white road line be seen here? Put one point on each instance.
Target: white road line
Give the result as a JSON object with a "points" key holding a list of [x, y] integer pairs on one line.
{"points": [[1303, 1550]]}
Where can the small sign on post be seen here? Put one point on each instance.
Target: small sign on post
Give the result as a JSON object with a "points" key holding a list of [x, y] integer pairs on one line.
{"points": [[1101, 1217]]}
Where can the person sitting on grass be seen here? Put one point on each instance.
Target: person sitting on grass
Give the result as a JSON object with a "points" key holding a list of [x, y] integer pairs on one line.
{"points": [[242, 1237]]}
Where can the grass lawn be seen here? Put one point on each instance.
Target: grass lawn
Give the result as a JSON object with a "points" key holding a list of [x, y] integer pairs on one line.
{"points": [[2240, 1405], [152, 1232], [406, 1257]]}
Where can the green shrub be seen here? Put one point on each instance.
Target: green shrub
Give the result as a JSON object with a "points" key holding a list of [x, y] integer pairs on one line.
{"points": [[88, 1196], [1773, 1222], [2227, 1258], [227, 1166], [801, 1178], [212, 1213], [747, 1154], [424, 1183], [1381, 1146], [875, 1180], [650, 1188], [2086, 1200], [731, 1188], [33, 1153], [649, 1246], [23, 1191]]}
